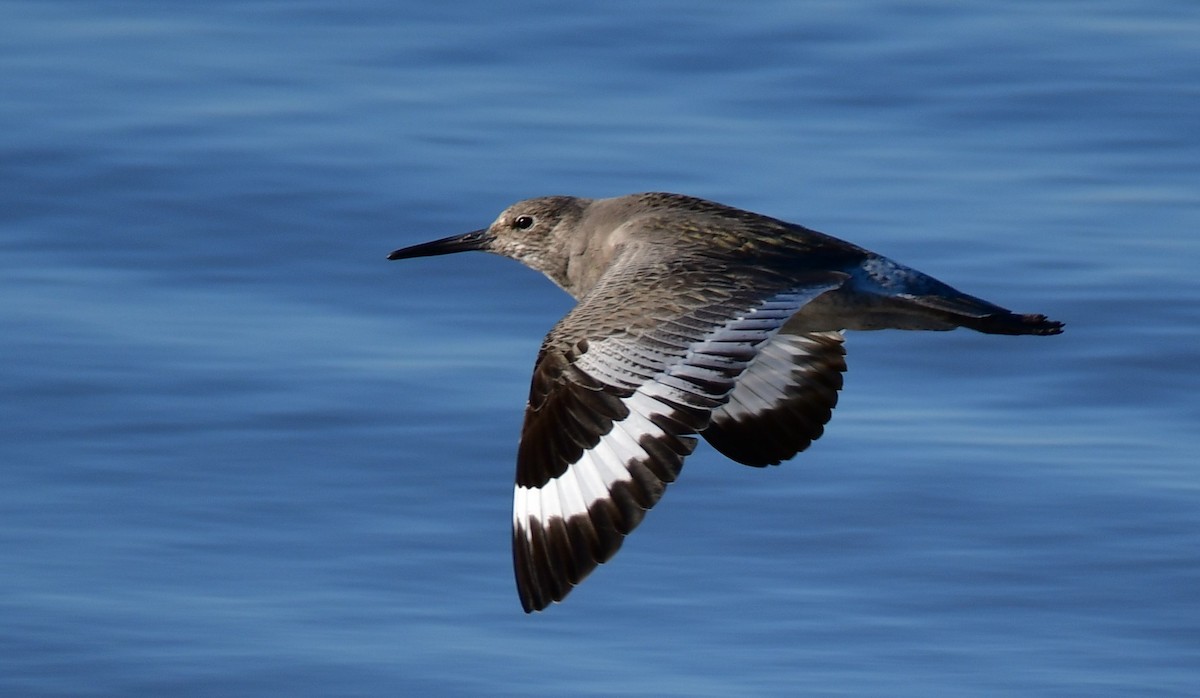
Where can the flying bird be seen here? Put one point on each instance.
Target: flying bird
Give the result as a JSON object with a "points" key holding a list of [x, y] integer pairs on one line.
{"points": [[694, 319]]}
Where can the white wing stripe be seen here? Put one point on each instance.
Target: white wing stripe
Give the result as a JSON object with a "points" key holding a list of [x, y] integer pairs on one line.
{"points": [[592, 477], [595, 486], [520, 507], [570, 493]]}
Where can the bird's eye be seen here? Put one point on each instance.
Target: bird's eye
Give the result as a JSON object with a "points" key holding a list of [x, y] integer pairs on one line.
{"points": [[523, 222]]}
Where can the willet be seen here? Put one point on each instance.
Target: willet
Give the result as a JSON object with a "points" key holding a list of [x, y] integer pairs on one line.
{"points": [[693, 318]]}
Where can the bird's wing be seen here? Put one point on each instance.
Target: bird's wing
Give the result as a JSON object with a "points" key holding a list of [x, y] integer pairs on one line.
{"points": [[783, 400], [621, 386]]}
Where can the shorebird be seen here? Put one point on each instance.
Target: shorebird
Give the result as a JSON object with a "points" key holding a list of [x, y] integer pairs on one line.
{"points": [[693, 319]]}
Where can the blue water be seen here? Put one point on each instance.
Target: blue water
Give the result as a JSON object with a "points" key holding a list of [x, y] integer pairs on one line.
{"points": [[241, 454]]}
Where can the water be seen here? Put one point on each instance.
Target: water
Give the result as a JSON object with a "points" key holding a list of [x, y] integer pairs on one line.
{"points": [[241, 454]]}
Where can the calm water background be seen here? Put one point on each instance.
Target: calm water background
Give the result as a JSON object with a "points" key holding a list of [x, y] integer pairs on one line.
{"points": [[241, 454]]}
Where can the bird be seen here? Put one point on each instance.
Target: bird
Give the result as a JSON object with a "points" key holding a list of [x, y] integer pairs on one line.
{"points": [[693, 320]]}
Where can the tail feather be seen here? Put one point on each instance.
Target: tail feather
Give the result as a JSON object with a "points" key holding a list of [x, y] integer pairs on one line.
{"points": [[979, 315], [1013, 323]]}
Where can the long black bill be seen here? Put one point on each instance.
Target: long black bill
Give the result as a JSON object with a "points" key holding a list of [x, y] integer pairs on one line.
{"points": [[474, 240]]}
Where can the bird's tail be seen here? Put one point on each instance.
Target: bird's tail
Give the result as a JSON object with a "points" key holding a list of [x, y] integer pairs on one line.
{"points": [[1014, 323], [979, 315]]}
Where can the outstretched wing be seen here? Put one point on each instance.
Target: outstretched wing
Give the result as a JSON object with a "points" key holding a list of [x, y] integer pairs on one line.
{"points": [[782, 401], [621, 386]]}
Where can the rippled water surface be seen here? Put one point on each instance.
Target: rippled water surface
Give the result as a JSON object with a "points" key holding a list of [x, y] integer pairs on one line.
{"points": [[241, 454]]}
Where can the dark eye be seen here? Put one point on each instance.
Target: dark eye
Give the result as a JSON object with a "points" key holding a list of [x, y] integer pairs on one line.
{"points": [[523, 222]]}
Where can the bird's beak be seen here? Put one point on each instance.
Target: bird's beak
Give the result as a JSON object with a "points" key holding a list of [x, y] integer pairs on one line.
{"points": [[474, 240]]}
